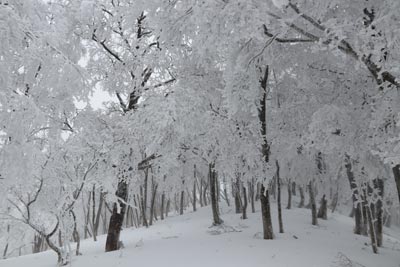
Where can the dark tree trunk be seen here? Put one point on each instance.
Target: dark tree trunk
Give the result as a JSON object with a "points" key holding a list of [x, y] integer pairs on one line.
{"points": [[266, 213], [181, 202], [396, 173], [236, 190], [244, 206], [264, 194], [278, 181], [314, 220], [117, 217], [194, 189], [323, 209], [355, 196], [201, 193], [162, 206], [301, 191], [94, 211], [214, 201], [167, 207], [293, 188], [289, 188]]}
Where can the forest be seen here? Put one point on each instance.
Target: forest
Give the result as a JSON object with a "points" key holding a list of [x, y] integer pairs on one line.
{"points": [[259, 121]]}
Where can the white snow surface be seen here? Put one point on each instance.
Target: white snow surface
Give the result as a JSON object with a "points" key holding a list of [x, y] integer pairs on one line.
{"points": [[189, 240]]}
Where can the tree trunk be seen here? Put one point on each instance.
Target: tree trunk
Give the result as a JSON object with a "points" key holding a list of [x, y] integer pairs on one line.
{"points": [[162, 206], [378, 184], [323, 209], [153, 201], [266, 213], [278, 181], [314, 220], [265, 150], [396, 174], [181, 202], [355, 195], [117, 217], [214, 201], [194, 189], [94, 211], [370, 223], [289, 188], [252, 195], [75, 235], [97, 220], [293, 188], [167, 207], [236, 188], [301, 191], [244, 206]]}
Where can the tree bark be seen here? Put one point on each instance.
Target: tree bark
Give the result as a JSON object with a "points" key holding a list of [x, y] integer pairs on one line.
{"points": [[396, 174], [278, 181], [214, 201], [355, 196], [378, 184], [162, 206], [194, 189], [266, 213], [301, 191], [314, 220], [244, 206], [289, 188], [323, 209], [117, 217], [236, 190]]}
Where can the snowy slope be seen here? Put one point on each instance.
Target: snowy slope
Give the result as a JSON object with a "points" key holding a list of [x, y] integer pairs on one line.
{"points": [[188, 240]]}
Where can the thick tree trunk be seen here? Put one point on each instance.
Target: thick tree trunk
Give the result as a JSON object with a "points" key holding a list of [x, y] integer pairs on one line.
{"points": [[278, 181], [214, 201], [301, 191], [265, 150], [266, 213], [117, 217], [289, 188], [396, 174], [314, 220], [355, 196], [323, 209]]}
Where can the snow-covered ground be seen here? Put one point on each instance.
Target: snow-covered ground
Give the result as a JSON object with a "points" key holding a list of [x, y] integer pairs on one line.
{"points": [[189, 240]]}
